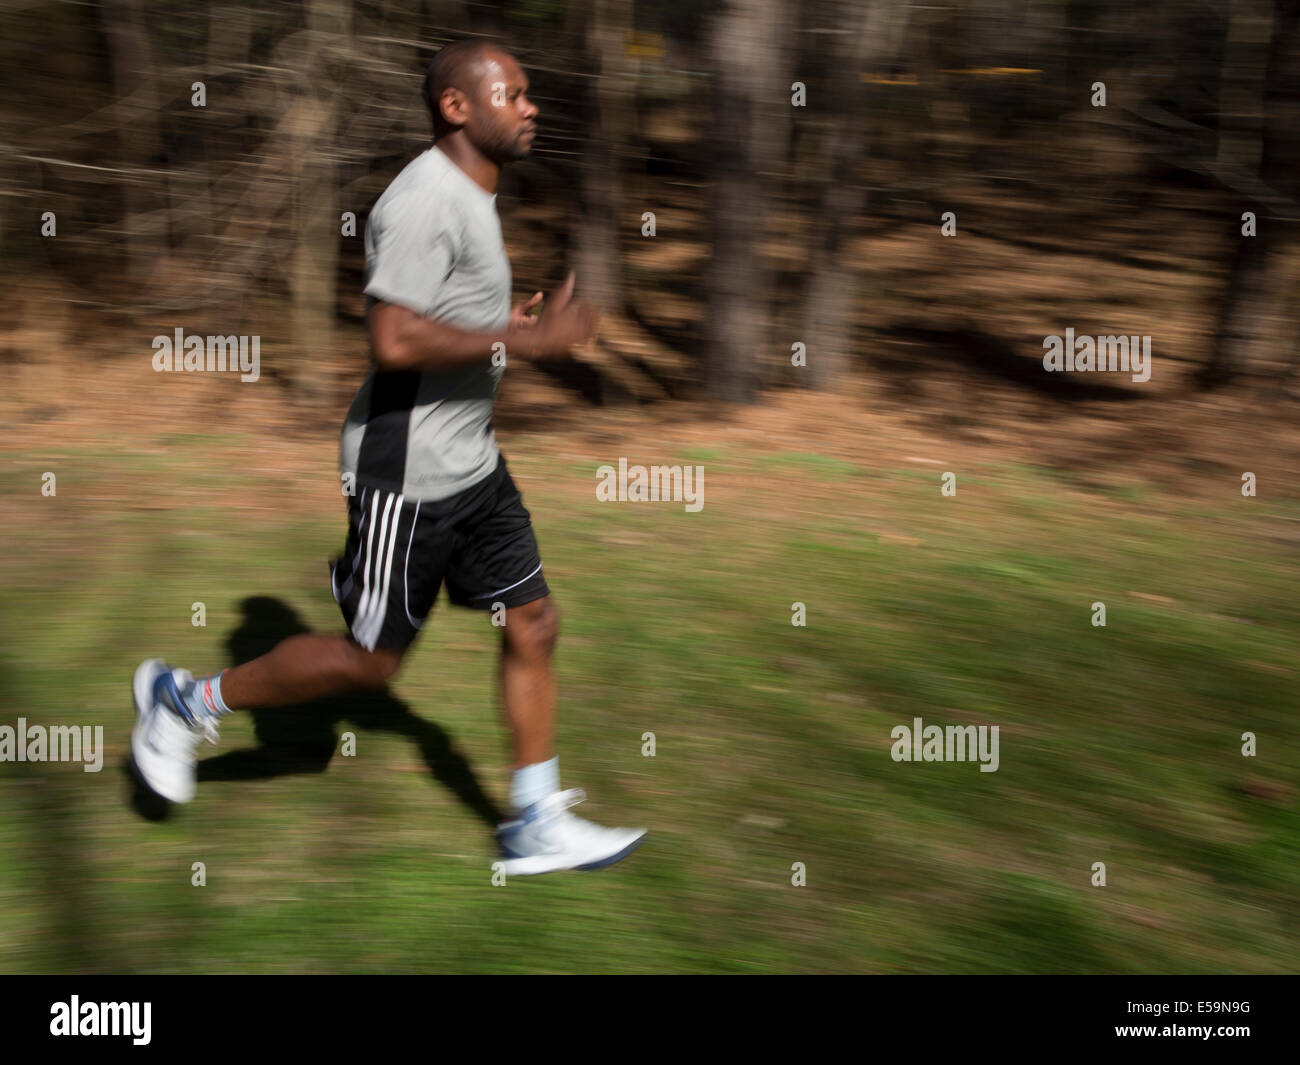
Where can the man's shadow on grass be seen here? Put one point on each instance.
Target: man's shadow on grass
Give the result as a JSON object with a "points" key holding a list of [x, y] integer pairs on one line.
{"points": [[302, 738]]}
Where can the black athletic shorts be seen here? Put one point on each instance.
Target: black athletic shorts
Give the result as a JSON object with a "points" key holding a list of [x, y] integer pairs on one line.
{"points": [[399, 551]]}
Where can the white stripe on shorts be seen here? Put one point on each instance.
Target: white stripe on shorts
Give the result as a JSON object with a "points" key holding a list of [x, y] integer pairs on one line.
{"points": [[379, 606], [509, 586], [369, 620]]}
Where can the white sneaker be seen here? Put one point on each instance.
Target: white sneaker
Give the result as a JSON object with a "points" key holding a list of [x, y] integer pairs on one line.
{"points": [[164, 742], [545, 838]]}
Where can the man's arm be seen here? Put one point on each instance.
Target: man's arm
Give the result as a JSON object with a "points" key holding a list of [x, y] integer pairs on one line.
{"points": [[400, 339]]}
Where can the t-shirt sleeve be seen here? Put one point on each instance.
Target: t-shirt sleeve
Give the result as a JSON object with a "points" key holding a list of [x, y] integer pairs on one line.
{"points": [[410, 249]]}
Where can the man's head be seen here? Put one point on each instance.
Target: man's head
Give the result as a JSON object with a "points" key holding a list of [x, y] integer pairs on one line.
{"points": [[478, 90]]}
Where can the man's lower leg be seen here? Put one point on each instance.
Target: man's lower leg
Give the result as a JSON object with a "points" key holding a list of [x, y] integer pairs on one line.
{"points": [[305, 667], [528, 700]]}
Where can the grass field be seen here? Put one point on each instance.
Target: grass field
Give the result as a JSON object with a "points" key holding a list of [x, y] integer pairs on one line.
{"points": [[1119, 744]]}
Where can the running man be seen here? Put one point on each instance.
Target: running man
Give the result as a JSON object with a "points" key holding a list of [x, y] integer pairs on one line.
{"points": [[431, 497]]}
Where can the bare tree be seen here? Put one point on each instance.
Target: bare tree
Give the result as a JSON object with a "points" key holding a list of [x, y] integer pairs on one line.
{"points": [[861, 35], [1258, 297], [595, 225], [135, 80], [313, 123], [750, 102]]}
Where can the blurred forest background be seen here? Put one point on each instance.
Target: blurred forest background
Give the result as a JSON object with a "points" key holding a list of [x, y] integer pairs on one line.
{"points": [[171, 165], [199, 161]]}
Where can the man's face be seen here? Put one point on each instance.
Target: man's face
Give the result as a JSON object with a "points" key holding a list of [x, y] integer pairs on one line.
{"points": [[502, 121]]}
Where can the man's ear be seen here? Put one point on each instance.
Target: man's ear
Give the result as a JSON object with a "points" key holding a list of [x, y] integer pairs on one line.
{"points": [[452, 105]]}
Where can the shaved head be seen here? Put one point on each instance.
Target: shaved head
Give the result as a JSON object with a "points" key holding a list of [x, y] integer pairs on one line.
{"points": [[458, 66]]}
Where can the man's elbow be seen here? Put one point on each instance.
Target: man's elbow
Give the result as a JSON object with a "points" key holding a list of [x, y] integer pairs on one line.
{"points": [[390, 354], [389, 329]]}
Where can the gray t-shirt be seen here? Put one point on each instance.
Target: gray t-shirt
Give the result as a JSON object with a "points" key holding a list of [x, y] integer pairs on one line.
{"points": [[433, 245]]}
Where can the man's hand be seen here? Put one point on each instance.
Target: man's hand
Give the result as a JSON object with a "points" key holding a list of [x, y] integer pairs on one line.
{"points": [[563, 324], [521, 316]]}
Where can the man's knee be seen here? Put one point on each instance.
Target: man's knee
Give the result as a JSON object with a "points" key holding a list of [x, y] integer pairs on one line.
{"points": [[533, 629]]}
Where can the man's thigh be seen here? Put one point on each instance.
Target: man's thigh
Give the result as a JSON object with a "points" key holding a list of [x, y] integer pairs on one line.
{"points": [[496, 558], [388, 577]]}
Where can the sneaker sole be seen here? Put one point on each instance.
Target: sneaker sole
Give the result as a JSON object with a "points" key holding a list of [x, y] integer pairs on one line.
{"points": [[142, 689], [558, 863]]}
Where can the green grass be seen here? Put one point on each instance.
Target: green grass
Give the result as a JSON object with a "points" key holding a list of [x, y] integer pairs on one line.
{"points": [[826, 467], [1118, 744]]}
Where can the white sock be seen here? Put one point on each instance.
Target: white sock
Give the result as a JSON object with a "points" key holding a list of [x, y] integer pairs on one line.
{"points": [[532, 783]]}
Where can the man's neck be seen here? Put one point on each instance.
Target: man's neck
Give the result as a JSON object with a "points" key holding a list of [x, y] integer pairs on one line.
{"points": [[481, 170]]}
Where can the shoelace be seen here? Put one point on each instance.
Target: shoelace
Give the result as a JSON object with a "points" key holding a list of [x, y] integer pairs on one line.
{"points": [[206, 724], [172, 736]]}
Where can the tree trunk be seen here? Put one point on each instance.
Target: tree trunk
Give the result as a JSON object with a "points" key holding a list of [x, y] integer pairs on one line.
{"points": [[314, 271], [1254, 303], [751, 104], [134, 77], [876, 33], [599, 220]]}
